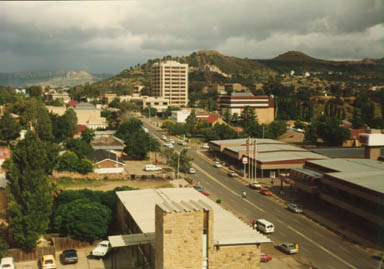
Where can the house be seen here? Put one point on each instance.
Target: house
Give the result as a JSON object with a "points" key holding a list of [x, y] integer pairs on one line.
{"points": [[4, 154], [106, 140], [212, 119], [106, 162], [180, 116]]}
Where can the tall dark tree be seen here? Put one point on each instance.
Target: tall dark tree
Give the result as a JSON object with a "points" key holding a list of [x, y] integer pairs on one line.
{"points": [[30, 193], [191, 123], [70, 119], [9, 128], [247, 117], [35, 91], [87, 135], [43, 124]]}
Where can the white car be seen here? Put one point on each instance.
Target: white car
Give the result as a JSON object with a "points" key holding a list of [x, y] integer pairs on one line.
{"points": [[192, 170], [7, 263], [205, 146], [168, 145], [172, 141], [151, 167], [217, 165], [181, 142], [101, 249], [163, 137]]}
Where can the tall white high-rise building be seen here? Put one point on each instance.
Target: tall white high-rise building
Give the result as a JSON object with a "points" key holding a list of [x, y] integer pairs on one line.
{"points": [[170, 81]]}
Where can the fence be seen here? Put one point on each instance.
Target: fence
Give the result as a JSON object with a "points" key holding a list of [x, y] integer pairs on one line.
{"points": [[59, 244]]}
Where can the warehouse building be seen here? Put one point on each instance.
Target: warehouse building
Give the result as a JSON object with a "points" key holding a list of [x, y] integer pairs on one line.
{"points": [[182, 228], [268, 156]]}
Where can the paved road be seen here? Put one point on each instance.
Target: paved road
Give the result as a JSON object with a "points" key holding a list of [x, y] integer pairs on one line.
{"points": [[318, 246]]}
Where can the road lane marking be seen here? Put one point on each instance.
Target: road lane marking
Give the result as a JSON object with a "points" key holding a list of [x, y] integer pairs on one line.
{"points": [[228, 189], [321, 247]]}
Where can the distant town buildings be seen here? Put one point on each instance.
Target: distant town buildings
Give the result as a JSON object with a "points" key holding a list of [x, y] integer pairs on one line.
{"points": [[263, 106], [170, 81]]}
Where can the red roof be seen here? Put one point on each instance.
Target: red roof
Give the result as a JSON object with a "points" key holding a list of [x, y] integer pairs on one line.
{"points": [[73, 103], [355, 133], [81, 128], [5, 153], [237, 129], [211, 118]]}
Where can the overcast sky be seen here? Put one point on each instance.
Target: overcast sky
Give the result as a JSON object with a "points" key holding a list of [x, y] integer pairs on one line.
{"points": [[109, 36]]}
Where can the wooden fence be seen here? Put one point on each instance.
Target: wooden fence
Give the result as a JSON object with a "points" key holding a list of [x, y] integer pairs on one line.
{"points": [[58, 244]]}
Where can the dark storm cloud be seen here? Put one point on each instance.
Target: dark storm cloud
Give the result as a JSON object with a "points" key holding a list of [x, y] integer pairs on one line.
{"points": [[108, 36]]}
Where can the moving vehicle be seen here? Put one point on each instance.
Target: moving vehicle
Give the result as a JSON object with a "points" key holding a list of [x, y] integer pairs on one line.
{"points": [[217, 165], [7, 263], [265, 257], [266, 191], [101, 249], [294, 208], [255, 186], [264, 226], [69, 256], [152, 167], [192, 170], [289, 248], [232, 173], [48, 262]]}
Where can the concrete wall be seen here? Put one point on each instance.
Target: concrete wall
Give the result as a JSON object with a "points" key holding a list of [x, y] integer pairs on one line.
{"points": [[244, 256]]}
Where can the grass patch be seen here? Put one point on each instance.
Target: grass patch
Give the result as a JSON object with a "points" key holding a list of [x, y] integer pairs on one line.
{"points": [[67, 182]]}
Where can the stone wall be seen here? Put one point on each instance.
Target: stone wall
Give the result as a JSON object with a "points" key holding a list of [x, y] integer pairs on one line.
{"points": [[243, 256], [179, 239]]}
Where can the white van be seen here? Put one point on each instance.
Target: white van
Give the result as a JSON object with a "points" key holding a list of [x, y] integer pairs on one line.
{"points": [[264, 226]]}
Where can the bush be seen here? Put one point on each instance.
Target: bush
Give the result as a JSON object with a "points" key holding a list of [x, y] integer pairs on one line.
{"points": [[3, 248], [218, 201]]}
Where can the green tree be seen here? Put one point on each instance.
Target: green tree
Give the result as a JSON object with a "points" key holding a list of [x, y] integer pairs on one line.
{"points": [[70, 119], [177, 129], [9, 128], [168, 124], [276, 129], [149, 111], [332, 133], [357, 121], [35, 91], [43, 124], [88, 135], [311, 132], [191, 123], [83, 219], [68, 161], [78, 146], [29, 191], [247, 117], [3, 248], [128, 127]]}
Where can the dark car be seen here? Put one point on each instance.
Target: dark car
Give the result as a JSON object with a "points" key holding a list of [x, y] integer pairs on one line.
{"points": [[69, 256]]}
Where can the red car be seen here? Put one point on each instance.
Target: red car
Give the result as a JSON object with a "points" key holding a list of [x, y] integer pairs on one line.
{"points": [[266, 191], [264, 257]]}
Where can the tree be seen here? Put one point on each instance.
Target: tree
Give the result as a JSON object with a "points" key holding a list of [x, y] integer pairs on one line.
{"points": [[191, 123], [87, 135], [9, 128], [70, 119], [149, 111], [29, 191], [79, 146], [276, 129], [83, 219], [179, 161], [177, 129], [35, 91], [3, 248], [332, 133], [128, 127], [43, 124], [247, 117]]}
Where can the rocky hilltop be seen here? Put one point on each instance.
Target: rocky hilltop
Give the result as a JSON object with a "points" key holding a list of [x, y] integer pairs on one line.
{"points": [[51, 78]]}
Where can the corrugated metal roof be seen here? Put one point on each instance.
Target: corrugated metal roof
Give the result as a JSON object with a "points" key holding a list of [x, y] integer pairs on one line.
{"points": [[227, 229], [308, 172], [242, 141], [372, 180], [268, 147], [350, 165], [131, 239]]}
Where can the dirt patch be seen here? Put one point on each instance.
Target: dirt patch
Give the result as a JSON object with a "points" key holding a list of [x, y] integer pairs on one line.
{"points": [[110, 185]]}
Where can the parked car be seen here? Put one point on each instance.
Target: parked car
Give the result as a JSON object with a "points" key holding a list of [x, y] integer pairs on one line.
{"points": [[255, 186], [48, 262], [232, 173], [101, 249], [172, 141], [265, 257], [69, 256], [266, 191], [205, 146], [168, 145], [152, 167], [289, 248], [7, 263], [181, 142], [198, 188], [217, 165], [192, 170], [163, 137], [294, 208]]}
